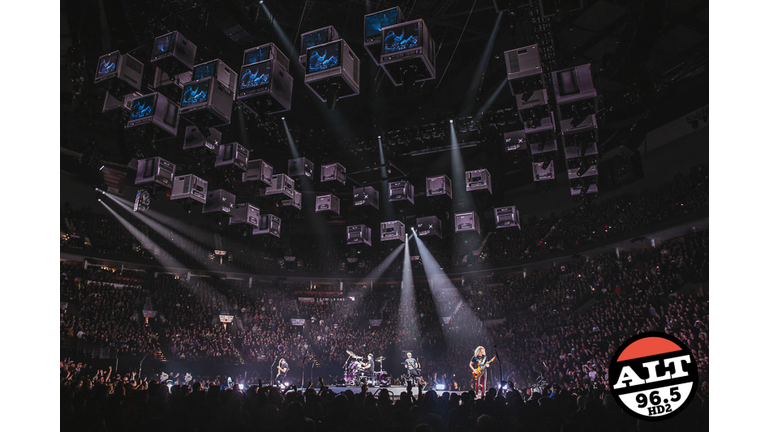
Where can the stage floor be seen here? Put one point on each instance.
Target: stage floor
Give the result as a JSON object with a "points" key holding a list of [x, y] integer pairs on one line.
{"points": [[396, 390]]}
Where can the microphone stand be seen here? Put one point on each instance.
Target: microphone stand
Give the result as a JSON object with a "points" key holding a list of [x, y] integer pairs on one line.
{"points": [[501, 374], [271, 372], [302, 371]]}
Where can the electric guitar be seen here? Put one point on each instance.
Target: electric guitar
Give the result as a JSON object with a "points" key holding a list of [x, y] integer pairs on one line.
{"points": [[481, 368]]}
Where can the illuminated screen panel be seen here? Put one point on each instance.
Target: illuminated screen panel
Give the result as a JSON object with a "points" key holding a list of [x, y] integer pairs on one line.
{"points": [[315, 38], [163, 44], [107, 64], [143, 107], [401, 38], [323, 57], [204, 70], [255, 75], [195, 92], [256, 55], [374, 23]]}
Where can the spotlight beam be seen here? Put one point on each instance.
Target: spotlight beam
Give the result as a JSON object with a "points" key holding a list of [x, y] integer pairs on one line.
{"points": [[184, 243], [165, 259], [479, 76], [448, 301], [376, 273], [407, 318], [291, 142]]}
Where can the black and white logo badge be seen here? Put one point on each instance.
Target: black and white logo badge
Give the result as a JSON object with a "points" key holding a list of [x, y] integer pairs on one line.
{"points": [[653, 376]]}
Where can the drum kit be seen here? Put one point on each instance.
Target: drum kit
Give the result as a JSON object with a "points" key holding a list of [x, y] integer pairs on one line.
{"points": [[354, 372]]}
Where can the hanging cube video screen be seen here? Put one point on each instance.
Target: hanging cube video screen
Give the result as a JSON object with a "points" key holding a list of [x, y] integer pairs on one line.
{"points": [[143, 107], [567, 82], [323, 57], [107, 64], [204, 70], [401, 38], [256, 55], [374, 23], [255, 75], [195, 92], [313, 39], [163, 44]]}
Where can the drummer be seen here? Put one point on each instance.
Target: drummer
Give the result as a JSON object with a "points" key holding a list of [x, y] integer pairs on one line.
{"points": [[367, 366]]}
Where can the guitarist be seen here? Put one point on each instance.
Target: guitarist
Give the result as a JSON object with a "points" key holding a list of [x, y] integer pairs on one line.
{"points": [[412, 366], [478, 364]]}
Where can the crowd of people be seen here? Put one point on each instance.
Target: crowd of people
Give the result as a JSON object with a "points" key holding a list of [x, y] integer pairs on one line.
{"points": [[558, 325], [541, 236]]}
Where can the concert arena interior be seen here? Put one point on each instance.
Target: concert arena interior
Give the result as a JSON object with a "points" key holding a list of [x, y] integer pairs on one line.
{"points": [[378, 215]]}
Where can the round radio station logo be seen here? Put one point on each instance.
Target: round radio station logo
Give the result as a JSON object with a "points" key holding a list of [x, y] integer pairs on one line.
{"points": [[653, 376]]}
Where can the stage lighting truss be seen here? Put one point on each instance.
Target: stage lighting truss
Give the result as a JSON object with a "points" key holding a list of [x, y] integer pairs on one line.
{"points": [[358, 234], [407, 53], [258, 170]]}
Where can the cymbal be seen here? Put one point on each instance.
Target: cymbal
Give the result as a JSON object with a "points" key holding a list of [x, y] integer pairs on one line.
{"points": [[382, 358], [357, 357], [351, 353]]}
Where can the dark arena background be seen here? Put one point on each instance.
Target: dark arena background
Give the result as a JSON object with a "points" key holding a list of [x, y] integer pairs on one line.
{"points": [[265, 206]]}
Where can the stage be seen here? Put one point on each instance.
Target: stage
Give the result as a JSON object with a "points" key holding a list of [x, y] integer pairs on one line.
{"points": [[396, 390]]}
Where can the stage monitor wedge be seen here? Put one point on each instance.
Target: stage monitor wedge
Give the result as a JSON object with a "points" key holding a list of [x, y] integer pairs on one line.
{"points": [[407, 53]]}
